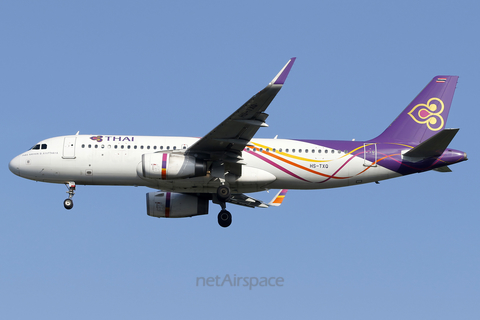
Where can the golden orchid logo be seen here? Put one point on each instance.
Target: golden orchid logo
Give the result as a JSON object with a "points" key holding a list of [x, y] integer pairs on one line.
{"points": [[429, 114], [97, 138]]}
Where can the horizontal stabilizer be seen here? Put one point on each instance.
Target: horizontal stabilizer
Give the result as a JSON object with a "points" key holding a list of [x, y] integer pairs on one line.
{"points": [[432, 147], [443, 169]]}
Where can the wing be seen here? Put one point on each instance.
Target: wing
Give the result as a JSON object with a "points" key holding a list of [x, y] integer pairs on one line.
{"points": [[230, 137], [244, 200]]}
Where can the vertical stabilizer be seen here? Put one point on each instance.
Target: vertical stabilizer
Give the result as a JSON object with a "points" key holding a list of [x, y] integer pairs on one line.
{"points": [[425, 116]]}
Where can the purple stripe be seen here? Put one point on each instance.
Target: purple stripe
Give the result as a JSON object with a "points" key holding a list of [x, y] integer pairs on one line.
{"points": [[164, 161]]}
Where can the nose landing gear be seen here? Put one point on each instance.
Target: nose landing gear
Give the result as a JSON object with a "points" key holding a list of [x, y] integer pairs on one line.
{"points": [[68, 203]]}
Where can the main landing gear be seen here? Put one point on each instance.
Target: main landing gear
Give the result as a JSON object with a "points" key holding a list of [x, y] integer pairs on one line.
{"points": [[68, 203], [224, 217]]}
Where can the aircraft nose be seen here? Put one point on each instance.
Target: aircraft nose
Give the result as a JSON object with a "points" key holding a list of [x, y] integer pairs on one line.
{"points": [[14, 166]]}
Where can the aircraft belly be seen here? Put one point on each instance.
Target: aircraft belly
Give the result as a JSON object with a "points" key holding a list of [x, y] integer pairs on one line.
{"points": [[210, 185]]}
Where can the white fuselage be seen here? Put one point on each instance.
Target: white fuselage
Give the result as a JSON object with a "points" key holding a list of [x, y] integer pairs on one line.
{"points": [[267, 164]]}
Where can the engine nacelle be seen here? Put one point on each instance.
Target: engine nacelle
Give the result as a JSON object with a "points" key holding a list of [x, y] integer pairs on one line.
{"points": [[175, 205], [168, 166]]}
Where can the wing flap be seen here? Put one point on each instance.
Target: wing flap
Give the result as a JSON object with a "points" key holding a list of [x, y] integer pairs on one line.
{"points": [[247, 201], [235, 132]]}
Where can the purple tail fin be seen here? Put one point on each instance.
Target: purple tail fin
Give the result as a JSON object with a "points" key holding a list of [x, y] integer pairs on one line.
{"points": [[425, 116]]}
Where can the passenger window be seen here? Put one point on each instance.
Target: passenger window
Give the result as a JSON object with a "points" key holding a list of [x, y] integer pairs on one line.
{"points": [[268, 150], [115, 146], [89, 145], [122, 146], [174, 148], [103, 146], [248, 149], [154, 147], [96, 146], [135, 147], [319, 151], [286, 150], [299, 150], [148, 147], [261, 149], [280, 150], [83, 146], [313, 150], [293, 150], [161, 147], [128, 147], [274, 150], [168, 147]]}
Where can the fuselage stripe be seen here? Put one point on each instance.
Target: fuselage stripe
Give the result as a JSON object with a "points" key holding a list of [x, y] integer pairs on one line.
{"points": [[276, 165], [164, 166]]}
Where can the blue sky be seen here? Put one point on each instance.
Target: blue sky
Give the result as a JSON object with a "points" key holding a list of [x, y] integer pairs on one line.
{"points": [[404, 249]]}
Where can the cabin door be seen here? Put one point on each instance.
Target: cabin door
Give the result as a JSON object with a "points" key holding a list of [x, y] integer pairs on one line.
{"points": [[69, 147]]}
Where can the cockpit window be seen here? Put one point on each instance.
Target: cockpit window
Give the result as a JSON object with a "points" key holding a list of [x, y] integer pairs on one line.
{"points": [[39, 146]]}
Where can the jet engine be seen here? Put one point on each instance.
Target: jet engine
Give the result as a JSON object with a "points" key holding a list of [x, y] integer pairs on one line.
{"points": [[168, 166], [175, 205]]}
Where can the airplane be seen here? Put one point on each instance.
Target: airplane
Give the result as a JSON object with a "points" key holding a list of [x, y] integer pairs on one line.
{"points": [[229, 162]]}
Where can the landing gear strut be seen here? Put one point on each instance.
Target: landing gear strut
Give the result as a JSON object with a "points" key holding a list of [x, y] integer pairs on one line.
{"points": [[224, 217], [68, 203]]}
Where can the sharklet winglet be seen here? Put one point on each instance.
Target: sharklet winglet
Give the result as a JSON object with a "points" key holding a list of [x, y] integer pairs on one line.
{"points": [[278, 199], [282, 75]]}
